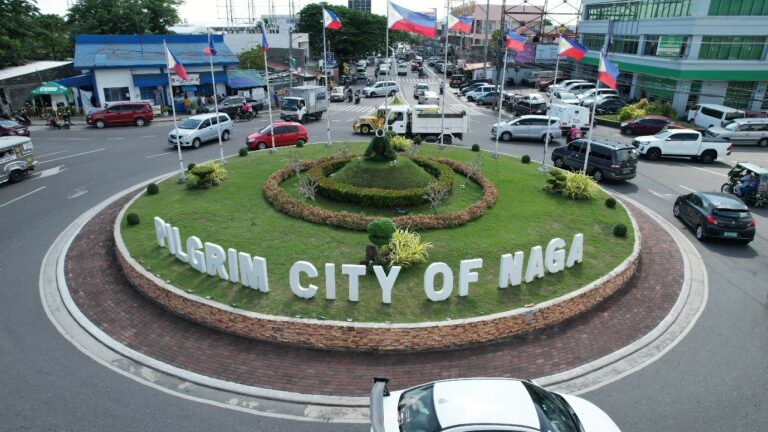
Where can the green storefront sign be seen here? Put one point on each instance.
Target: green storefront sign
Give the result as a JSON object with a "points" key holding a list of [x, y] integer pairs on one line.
{"points": [[669, 46]]}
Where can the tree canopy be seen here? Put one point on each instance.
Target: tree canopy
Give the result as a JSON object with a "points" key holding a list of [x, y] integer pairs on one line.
{"points": [[360, 34], [26, 35], [251, 59], [122, 16]]}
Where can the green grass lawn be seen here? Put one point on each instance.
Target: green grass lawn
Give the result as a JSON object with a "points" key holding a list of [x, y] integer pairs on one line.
{"points": [[235, 214]]}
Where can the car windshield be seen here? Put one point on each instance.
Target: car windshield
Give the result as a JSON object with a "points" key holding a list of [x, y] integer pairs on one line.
{"points": [[265, 131], [731, 126], [416, 411], [626, 155], [663, 134], [190, 124], [740, 214], [290, 104], [8, 123], [567, 95], [553, 411], [734, 115]]}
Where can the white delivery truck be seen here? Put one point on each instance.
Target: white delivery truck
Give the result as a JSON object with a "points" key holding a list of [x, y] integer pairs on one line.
{"points": [[304, 102], [570, 115], [427, 121]]}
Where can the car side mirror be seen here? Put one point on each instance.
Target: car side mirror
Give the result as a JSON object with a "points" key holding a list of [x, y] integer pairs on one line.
{"points": [[668, 139]]}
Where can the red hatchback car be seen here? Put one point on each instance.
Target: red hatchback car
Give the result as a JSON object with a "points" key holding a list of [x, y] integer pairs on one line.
{"points": [[122, 113], [11, 128], [648, 125], [286, 133]]}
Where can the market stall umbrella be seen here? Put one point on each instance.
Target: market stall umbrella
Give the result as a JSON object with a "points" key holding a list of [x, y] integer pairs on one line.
{"points": [[52, 88]]}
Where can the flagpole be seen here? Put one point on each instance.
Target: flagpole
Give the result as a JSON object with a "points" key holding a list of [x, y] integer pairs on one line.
{"points": [[269, 92], [218, 123], [543, 167], [591, 125], [386, 55], [498, 121], [325, 69], [445, 74], [182, 176]]}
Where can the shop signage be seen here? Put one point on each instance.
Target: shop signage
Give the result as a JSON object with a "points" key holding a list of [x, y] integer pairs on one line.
{"points": [[194, 79], [669, 46], [251, 271], [546, 53]]}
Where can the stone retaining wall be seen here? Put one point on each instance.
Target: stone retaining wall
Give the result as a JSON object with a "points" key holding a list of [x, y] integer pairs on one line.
{"points": [[339, 335]]}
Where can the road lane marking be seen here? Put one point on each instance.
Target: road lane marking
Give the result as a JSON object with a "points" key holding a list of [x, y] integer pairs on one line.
{"points": [[49, 172], [78, 192], [115, 139], [705, 170], [75, 139], [148, 136], [51, 154], [687, 188], [25, 195], [161, 154], [665, 196], [71, 156]]}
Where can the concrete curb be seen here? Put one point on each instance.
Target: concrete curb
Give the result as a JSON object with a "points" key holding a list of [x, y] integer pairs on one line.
{"points": [[587, 377]]}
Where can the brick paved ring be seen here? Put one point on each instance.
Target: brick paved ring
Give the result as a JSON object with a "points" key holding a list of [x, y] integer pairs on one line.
{"points": [[339, 335]]}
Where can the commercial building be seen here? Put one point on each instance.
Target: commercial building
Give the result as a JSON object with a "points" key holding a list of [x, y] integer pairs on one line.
{"points": [[17, 82], [682, 51], [133, 67], [361, 5]]}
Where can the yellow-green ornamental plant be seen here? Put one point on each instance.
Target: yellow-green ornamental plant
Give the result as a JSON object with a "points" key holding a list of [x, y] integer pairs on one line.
{"points": [[406, 249], [579, 186]]}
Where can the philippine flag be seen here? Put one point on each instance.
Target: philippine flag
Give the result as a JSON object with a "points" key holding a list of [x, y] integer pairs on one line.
{"points": [[330, 20], [572, 49], [607, 72], [401, 18], [211, 48], [175, 65], [515, 41], [264, 44], [462, 24]]}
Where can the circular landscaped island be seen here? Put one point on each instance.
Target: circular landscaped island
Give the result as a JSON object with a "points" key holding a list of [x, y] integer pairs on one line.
{"points": [[356, 247]]}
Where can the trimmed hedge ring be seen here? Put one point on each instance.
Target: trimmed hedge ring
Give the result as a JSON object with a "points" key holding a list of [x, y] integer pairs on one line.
{"points": [[280, 200]]}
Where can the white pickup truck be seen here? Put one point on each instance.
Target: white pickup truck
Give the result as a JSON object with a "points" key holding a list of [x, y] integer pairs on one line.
{"points": [[683, 143]]}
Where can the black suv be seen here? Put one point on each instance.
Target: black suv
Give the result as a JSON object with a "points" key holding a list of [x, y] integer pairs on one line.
{"points": [[473, 82], [526, 107], [607, 159], [232, 104]]}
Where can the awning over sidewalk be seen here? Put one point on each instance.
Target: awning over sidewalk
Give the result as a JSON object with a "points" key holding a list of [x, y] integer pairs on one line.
{"points": [[50, 88], [245, 79], [76, 81]]}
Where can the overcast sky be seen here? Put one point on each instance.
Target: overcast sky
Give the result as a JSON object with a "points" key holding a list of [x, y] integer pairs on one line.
{"points": [[210, 12]]}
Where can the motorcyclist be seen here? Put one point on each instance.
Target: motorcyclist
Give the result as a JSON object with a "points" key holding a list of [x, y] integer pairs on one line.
{"points": [[442, 87], [245, 110], [748, 183], [349, 95], [574, 133], [357, 96]]}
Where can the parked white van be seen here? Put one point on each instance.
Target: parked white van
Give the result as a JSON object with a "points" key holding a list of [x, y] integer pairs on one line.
{"points": [[712, 115], [570, 115], [429, 98]]}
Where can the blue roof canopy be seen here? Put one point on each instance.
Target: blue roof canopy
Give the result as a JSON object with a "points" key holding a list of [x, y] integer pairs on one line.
{"points": [[135, 51], [76, 81], [245, 78]]}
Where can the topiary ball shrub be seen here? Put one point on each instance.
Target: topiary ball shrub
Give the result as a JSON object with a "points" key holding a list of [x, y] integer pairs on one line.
{"points": [[190, 166], [620, 230], [153, 189], [525, 159], [243, 152], [417, 139], [380, 231], [475, 147], [132, 219], [380, 150], [610, 203]]}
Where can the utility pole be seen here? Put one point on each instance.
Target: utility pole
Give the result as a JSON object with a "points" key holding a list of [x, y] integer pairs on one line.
{"points": [[502, 60], [485, 43]]}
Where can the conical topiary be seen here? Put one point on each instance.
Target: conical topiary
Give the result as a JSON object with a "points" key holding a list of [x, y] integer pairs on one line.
{"points": [[380, 150]]}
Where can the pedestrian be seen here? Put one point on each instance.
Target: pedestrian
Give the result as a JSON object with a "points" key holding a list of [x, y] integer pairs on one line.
{"points": [[275, 98], [186, 103]]}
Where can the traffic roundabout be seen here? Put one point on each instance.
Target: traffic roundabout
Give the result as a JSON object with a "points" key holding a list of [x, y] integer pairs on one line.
{"points": [[260, 286]]}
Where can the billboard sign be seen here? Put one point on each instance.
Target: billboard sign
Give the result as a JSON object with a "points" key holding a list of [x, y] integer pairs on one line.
{"points": [[546, 53], [669, 46]]}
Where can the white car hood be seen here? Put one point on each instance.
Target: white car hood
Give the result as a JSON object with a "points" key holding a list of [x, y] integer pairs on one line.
{"points": [[592, 418], [647, 139], [182, 132]]}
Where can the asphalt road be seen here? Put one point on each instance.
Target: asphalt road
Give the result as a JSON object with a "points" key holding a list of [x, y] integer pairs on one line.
{"points": [[714, 380]]}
